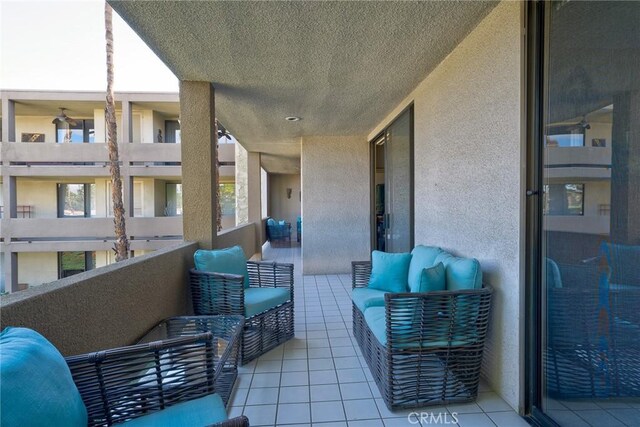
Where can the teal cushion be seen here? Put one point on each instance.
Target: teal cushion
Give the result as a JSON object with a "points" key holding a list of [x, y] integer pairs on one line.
{"points": [[421, 257], [389, 271], [403, 331], [375, 318], [554, 280], [35, 383], [463, 273], [432, 279], [364, 298], [229, 261], [197, 412], [257, 300], [271, 221], [282, 222]]}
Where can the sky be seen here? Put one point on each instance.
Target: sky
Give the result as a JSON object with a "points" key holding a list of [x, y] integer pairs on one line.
{"points": [[60, 45]]}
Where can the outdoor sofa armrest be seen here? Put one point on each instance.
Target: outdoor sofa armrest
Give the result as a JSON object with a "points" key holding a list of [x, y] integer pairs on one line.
{"points": [[266, 274], [216, 293], [360, 272], [437, 319], [128, 382]]}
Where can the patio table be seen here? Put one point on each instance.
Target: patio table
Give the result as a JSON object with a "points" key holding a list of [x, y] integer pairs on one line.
{"points": [[226, 331]]}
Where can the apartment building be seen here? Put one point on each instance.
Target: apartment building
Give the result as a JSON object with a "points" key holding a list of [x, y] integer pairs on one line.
{"points": [[56, 188]]}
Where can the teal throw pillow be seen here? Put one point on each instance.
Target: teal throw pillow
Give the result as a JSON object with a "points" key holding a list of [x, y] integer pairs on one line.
{"points": [[432, 279], [389, 271], [36, 384], [463, 274], [421, 257], [271, 221], [229, 261]]}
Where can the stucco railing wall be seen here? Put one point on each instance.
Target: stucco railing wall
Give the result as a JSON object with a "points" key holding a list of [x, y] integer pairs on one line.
{"points": [[107, 307], [243, 235]]}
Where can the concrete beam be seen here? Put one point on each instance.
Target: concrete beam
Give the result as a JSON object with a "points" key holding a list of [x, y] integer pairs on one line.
{"points": [[199, 161]]}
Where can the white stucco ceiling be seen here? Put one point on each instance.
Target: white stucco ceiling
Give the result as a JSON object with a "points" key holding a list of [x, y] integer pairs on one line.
{"points": [[340, 65]]}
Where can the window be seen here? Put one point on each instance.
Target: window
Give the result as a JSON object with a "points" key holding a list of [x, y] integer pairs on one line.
{"points": [[566, 136], [76, 200], [228, 198], [82, 131], [564, 199], [174, 199], [171, 132], [70, 263]]}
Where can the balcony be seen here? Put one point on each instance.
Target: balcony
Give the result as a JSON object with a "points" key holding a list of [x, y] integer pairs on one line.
{"points": [[319, 376]]}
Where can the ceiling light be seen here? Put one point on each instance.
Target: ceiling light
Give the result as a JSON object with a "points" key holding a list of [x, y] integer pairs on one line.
{"points": [[292, 119]]}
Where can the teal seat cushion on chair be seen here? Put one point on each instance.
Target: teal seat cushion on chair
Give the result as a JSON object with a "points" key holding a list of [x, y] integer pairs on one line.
{"points": [[364, 298], [421, 257], [36, 384], [431, 279], [463, 273], [230, 261], [257, 300], [389, 271], [197, 412]]}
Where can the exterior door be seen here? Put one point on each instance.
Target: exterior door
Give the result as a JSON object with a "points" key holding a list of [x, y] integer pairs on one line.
{"points": [[588, 268]]}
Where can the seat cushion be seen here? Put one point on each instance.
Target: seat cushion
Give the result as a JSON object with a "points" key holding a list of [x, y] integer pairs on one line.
{"points": [[271, 221], [389, 271], [257, 300], [463, 274], [364, 298], [375, 318], [432, 279], [230, 261], [197, 412], [36, 384], [421, 257]]}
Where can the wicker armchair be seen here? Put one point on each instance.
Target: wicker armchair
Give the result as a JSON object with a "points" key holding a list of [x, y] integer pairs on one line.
{"points": [[217, 293], [125, 383], [279, 234], [432, 349]]}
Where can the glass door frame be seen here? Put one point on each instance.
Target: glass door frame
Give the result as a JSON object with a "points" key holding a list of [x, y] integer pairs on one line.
{"points": [[372, 175]]}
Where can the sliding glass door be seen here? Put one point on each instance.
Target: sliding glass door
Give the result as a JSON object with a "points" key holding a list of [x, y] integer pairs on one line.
{"points": [[589, 207], [392, 178]]}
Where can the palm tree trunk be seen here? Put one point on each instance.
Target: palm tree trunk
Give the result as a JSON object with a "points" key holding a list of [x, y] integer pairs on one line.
{"points": [[121, 246]]}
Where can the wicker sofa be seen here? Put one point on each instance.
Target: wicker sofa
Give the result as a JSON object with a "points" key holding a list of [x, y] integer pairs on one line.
{"points": [[262, 293], [168, 382], [278, 232], [423, 348]]}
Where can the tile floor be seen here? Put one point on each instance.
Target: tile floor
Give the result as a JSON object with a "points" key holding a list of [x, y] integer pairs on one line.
{"points": [[320, 379]]}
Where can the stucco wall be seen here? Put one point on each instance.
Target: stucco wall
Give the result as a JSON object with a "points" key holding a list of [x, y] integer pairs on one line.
{"points": [[36, 268], [335, 203], [107, 307], [468, 184], [279, 206]]}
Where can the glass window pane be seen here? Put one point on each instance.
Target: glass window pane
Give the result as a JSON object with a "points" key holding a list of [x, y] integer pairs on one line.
{"points": [[73, 203], [591, 222]]}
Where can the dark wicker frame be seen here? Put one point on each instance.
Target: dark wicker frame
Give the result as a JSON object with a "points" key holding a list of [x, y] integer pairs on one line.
{"points": [[437, 359], [279, 235], [129, 382], [216, 293]]}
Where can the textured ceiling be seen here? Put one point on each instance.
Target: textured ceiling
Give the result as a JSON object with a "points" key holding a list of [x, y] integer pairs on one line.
{"points": [[341, 66]]}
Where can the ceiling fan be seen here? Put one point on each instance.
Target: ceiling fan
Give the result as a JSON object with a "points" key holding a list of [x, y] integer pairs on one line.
{"points": [[63, 118]]}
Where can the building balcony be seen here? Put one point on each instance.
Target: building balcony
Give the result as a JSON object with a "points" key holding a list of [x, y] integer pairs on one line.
{"points": [[319, 376]]}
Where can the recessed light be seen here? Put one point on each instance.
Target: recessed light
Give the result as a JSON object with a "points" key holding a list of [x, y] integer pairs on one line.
{"points": [[292, 119]]}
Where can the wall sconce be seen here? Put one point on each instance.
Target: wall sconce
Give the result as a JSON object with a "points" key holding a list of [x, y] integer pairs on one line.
{"points": [[288, 193]]}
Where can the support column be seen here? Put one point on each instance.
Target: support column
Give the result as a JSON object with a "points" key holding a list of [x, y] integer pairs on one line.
{"points": [[127, 118], [8, 120], [199, 161], [625, 169], [10, 271], [254, 198], [242, 189]]}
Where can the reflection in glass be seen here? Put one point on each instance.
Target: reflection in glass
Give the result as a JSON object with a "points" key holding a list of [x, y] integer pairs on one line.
{"points": [[591, 207]]}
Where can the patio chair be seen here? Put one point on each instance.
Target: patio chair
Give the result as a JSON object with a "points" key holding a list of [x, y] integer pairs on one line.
{"points": [[423, 346], [167, 382], [278, 232], [224, 282]]}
